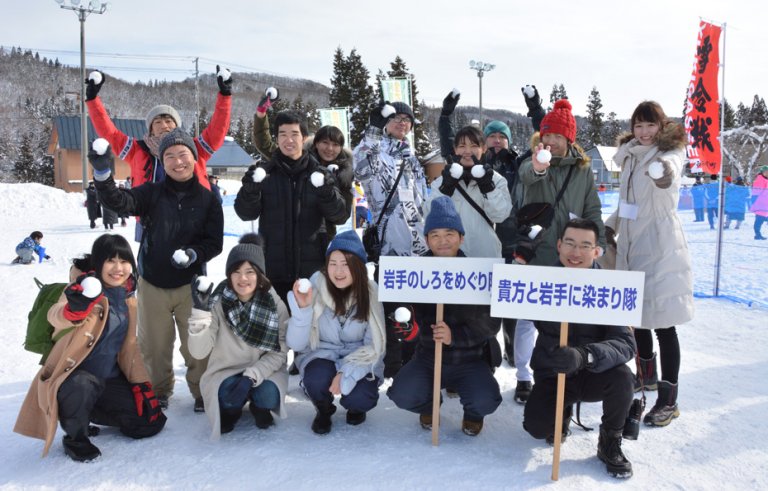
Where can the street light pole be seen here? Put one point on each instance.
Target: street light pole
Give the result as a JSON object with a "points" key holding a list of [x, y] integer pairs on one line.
{"points": [[481, 68], [94, 7]]}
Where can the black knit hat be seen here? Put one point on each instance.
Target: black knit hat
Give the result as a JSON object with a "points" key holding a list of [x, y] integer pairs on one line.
{"points": [[403, 108], [250, 248], [177, 137]]}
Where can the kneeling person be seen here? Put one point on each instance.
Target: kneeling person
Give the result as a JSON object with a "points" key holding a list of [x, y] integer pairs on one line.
{"points": [[594, 362], [464, 332]]}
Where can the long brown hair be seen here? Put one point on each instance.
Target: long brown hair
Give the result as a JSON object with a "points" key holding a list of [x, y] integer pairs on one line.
{"points": [[358, 290]]}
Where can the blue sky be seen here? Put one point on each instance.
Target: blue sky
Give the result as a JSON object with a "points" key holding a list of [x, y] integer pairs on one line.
{"points": [[630, 51]]}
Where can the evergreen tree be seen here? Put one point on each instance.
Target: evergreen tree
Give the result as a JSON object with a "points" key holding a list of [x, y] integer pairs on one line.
{"points": [[398, 69], [729, 115], [350, 88], [558, 92], [594, 127], [742, 115], [758, 113], [611, 130]]}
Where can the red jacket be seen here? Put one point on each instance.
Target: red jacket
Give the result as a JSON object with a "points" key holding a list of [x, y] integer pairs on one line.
{"points": [[141, 161]]}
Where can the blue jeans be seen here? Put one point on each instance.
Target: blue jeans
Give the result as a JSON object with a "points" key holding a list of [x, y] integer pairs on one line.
{"points": [[318, 375], [236, 390], [478, 391]]}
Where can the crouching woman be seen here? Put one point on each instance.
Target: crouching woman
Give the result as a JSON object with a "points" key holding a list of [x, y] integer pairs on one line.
{"points": [[337, 331], [241, 324], [95, 372]]}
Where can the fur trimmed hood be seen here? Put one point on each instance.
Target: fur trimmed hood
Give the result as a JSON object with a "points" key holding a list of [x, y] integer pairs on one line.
{"points": [[671, 137], [365, 355], [575, 152]]}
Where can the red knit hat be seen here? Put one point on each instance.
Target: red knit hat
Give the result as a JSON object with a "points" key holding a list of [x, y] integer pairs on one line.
{"points": [[560, 121]]}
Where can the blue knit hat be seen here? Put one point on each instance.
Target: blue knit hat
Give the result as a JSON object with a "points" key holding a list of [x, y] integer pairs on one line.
{"points": [[443, 214], [349, 242], [498, 127]]}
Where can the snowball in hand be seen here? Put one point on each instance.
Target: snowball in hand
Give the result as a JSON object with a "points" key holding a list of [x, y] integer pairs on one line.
{"points": [[259, 174], [455, 93], [91, 287], [180, 257], [478, 171], [402, 315], [100, 146], [203, 283], [317, 178], [456, 170], [95, 77], [333, 168], [225, 74], [656, 170], [304, 285], [271, 93], [535, 230], [544, 156], [529, 91], [388, 110]]}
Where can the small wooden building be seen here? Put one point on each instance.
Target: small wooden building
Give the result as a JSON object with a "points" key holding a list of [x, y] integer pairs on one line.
{"points": [[230, 161], [64, 147]]}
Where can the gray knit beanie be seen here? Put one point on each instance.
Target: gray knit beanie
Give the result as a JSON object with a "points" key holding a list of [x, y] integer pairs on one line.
{"points": [[177, 137], [249, 249], [159, 110]]}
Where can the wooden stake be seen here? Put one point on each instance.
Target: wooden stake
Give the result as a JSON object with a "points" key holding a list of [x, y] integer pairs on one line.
{"points": [[437, 381], [559, 407]]}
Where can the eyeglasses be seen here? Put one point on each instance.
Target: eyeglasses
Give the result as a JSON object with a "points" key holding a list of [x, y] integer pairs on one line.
{"points": [[401, 119], [573, 245]]}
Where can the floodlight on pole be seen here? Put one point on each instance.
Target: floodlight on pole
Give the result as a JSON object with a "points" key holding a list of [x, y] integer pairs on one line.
{"points": [[481, 68], [94, 7]]}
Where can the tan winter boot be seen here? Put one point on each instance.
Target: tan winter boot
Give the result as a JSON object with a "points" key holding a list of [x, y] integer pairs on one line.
{"points": [[665, 409]]}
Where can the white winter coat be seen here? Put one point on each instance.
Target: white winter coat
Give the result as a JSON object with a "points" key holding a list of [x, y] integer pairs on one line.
{"points": [[654, 242], [230, 355], [480, 239]]}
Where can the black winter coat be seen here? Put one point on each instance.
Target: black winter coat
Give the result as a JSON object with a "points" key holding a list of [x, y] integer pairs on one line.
{"points": [[293, 217], [92, 203], [175, 216]]}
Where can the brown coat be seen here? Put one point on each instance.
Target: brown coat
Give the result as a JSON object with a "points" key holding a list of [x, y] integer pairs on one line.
{"points": [[39, 414]]}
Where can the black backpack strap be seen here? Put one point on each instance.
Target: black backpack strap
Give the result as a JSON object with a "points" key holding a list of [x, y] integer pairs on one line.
{"points": [[474, 205], [565, 185], [391, 193]]}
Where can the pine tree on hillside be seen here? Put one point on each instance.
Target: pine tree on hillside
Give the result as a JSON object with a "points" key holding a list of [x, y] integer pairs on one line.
{"points": [[758, 113], [594, 128], [558, 92], [742, 115], [611, 130], [350, 88], [729, 115]]}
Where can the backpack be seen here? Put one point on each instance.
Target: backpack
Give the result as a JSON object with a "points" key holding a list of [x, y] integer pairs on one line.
{"points": [[39, 337]]}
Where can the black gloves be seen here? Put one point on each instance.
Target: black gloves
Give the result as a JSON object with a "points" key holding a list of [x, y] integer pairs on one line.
{"points": [[183, 261], [224, 80], [200, 298], [92, 88], [326, 186], [533, 102], [485, 182], [610, 236], [102, 164], [249, 184], [78, 304], [270, 96], [449, 104], [568, 360], [448, 186], [146, 402], [381, 115]]}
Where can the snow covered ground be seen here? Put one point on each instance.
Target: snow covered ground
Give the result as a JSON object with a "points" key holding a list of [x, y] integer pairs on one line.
{"points": [[717, 443]]}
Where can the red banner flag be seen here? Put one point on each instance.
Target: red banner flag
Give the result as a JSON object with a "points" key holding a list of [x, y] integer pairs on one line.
{"points": [[702, 107]]}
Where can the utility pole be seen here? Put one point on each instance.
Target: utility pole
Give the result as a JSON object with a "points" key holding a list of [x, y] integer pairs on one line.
{"points": [[197, 98]]}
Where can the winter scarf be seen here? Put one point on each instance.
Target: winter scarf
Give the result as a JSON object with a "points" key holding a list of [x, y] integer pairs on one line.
{"points": [[153, 143], [364, 355], [255, 321]]}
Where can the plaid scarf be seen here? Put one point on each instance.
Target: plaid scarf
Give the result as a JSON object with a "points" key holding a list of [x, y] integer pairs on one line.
{"points": [[255, 321]]}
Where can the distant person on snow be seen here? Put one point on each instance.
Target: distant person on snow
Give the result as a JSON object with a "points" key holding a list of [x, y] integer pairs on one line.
{"points": [[92, 204], [30, 246]]}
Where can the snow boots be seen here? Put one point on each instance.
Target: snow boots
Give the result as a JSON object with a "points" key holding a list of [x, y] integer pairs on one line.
{"points": [[523, 391], [228, 418], [355, 418], [322, 422], [665, 409], [647, 376], [81, 450], [470, 427], [609, 451], [262, 417]]}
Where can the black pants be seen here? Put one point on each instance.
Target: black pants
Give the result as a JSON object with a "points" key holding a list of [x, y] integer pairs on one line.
{"points": [[84, 398], [613, 387], [669, 350], [508, 327]]}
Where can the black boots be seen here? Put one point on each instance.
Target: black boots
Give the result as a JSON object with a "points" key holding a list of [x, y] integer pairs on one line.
{"points": [[665, 409], [80, 450], [355, 418], [523, 391], [609, 451], [262, 417], [228, 418], [322, 422], [647, 376]]}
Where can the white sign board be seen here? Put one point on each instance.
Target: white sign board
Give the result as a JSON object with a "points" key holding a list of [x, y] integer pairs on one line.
{"points": [[454, 280], [584, 296]]}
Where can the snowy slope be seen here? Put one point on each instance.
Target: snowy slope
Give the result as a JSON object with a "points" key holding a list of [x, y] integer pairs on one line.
{"points": [[717, 443]]}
